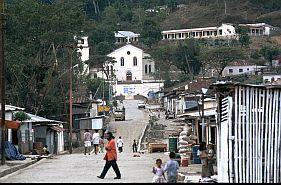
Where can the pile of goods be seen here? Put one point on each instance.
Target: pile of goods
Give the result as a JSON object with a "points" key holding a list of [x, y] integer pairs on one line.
{"points": [[186, 140]]}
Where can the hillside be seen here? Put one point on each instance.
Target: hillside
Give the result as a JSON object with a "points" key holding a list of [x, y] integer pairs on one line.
{"points": [[194, 14]]}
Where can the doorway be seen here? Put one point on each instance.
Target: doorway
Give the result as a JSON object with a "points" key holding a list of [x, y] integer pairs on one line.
{"points": [[129, 76]]}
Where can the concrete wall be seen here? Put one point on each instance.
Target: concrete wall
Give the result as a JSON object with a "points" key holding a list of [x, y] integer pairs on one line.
{"points": [[129, 90]]}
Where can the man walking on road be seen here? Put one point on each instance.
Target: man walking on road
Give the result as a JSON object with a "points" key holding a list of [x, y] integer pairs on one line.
{"points": [[134, 146], [110, 158]]}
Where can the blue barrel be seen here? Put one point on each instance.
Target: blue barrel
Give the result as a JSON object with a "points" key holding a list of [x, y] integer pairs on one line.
{"points": [[195, 157]]}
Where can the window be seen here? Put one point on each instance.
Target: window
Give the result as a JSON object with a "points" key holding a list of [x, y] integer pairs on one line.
{"points": [[128, 52], [230, 70], [248, 69], [122, 61], [240, 70], [149, 69], [220, 32], [81, 41], [111, 70], [107, 70], [145, 69], [135, 61]]}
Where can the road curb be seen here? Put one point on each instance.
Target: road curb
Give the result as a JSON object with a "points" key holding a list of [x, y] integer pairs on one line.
{"points": [[141, 138], [21, 166], [16, 168]]}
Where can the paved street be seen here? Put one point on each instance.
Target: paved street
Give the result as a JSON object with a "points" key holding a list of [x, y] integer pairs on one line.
{"points": [[81, 168]]}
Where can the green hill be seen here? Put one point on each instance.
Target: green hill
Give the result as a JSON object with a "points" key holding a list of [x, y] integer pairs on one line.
{"points": [[214, 12]]}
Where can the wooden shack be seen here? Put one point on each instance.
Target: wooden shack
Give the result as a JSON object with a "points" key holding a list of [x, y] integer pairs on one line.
{"points": [[249, 133]]}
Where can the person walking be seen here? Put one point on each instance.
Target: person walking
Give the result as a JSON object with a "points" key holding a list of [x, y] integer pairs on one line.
{"points": [[110, 158], [120, 144], [210, 159], [172, 167], [134, 146], [159, 172], [96, 141], [101, 144], [203, 155], [87, 141]]}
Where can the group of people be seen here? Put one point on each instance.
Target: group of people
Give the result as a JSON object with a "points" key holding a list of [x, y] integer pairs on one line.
{"points": [[206, 154], [96, 140], [110, 147], [171, 167]]}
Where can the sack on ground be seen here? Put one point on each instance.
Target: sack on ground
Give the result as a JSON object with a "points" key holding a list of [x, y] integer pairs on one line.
{"points": [[182, 142]]}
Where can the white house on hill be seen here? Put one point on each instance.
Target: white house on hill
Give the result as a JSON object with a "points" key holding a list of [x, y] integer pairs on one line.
{"points": [[126, 37]]}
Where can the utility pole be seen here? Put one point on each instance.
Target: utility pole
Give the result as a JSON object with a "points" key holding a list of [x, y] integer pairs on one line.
{"points": [[203, 120], [204, 91], [70, 100], [3, 81]]}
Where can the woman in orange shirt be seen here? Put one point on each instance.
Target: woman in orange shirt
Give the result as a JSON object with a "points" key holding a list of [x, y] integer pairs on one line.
{"points": [[110, 158]]}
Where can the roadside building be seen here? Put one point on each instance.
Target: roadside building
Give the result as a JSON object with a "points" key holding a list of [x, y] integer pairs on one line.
{"points": [[11, 125], [44, 132], [249, 132]]}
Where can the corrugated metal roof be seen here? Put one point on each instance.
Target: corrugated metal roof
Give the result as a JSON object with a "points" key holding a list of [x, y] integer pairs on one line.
{"points": [[37, 119], [126, 34], [11, 108]]}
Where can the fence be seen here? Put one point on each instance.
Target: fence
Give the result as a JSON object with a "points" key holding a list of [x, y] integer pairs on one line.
{"points": [[249, 130]]}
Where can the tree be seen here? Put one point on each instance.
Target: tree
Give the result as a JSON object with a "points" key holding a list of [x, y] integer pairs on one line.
{"points": [[150, 32], [186, 57], [219, 58], [243, 36], [164, 57], [35, 57], [270, 53]]}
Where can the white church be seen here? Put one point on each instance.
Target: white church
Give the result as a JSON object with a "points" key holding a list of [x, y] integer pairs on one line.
{"points": [[131, 73]]}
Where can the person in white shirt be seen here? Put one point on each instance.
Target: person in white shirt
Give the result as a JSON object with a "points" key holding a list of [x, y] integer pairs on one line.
{"points": [[96, 141], [120, 144]]}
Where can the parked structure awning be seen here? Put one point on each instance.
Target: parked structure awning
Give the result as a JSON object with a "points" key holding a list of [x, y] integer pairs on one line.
{"points": [[57, 128], [11, 124], [210, 112]]}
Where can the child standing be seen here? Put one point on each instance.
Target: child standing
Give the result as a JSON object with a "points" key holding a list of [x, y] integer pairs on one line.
{"points": [[120, 144], [158, 170], [172, 168], [101, 144]]}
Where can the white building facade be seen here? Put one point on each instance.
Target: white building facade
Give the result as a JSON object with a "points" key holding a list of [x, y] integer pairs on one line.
{"points": [[223, 31], [84, 50], [240, 67], [132, 64]]}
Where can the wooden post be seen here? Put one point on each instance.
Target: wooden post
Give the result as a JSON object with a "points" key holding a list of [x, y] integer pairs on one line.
{"points": [[237, 122], [3, 81], [275, 132], [263, 135]]}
